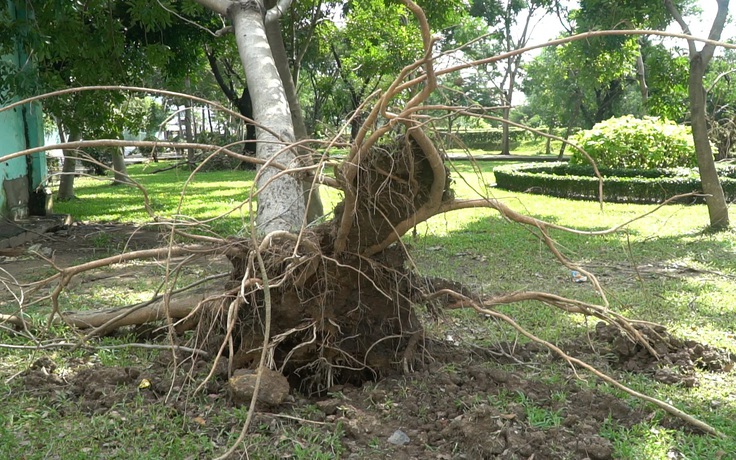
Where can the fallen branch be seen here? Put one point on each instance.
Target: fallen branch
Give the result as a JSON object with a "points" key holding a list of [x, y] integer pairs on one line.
{"points": [[15, 320], [113, 318]]}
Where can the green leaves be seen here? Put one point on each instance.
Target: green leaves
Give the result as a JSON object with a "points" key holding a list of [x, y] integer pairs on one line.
{"points": [[152, 15], [667, 77]]}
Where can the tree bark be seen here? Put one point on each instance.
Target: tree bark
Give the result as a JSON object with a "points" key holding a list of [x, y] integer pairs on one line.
{"points": [[278, 49], [508, 96], [280, 203], [642, 77], [118, 165], [66, 183], [505, 141], [188, 125], [716, 201]]}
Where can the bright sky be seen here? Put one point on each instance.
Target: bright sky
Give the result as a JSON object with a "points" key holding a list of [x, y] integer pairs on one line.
{"points": [[549, 27]]}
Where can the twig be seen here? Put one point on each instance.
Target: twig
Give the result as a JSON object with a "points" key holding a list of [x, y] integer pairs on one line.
{"points": [[264, 350]]}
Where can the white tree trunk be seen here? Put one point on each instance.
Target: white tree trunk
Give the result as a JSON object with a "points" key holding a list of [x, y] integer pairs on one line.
{"points": [[278, 50], [280, 204]]}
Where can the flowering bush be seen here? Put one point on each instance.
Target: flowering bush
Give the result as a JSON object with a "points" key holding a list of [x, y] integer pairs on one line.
{"points": [[628, 142]]}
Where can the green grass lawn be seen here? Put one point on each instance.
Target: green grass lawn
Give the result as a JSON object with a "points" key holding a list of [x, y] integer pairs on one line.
{"points": [[661, 268]]}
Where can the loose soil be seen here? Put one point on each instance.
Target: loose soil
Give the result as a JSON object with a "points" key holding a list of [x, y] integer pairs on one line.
{"points": [[457, 403]]}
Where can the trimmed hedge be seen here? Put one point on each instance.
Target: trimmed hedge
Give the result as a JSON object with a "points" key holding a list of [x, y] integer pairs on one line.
{"points": [[482, 140], [619, 185]]}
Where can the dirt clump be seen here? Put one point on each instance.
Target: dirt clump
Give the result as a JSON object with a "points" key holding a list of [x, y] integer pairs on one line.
{"points": [[273, 389], [677, 360]]}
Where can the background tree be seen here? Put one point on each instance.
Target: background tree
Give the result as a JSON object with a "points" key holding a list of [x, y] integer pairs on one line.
{"points": [[720, 82], [554, 92], [511, 24], [627, 14], [102, 42], [699, 60]]}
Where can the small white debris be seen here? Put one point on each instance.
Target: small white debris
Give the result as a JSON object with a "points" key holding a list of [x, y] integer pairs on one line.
{"points": [[399, 438]]}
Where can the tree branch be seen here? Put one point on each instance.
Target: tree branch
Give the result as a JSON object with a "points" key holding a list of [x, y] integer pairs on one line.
{"points": [[716, 30], [215, 67], [15, 320], [275, 13]]}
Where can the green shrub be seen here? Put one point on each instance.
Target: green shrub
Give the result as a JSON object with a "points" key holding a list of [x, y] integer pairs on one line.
{"points": [[619, 185], [628, 142]]}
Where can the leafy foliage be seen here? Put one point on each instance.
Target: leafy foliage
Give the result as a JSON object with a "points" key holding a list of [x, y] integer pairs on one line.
{"points": [[628, 142], [667, 81]]}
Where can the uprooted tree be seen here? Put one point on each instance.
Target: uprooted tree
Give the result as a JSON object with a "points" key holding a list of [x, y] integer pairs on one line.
{"points": [[333, 302]]}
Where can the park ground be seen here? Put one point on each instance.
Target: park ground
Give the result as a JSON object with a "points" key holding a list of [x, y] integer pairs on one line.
{"points": [[478, 388]]}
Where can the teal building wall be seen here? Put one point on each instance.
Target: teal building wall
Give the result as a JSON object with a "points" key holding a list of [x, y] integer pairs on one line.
{"points": [[20, 128]]}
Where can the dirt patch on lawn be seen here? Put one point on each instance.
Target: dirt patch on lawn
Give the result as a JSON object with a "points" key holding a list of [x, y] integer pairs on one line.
{"points": [[443, 411], [79, 242]]}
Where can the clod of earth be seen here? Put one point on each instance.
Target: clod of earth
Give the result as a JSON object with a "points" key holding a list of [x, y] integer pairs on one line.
{"points": [[677, 359], [273, 389]]}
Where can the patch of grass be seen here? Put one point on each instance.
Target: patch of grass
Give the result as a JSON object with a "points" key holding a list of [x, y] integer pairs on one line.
{"points": [[539, 417], [207, 196]]}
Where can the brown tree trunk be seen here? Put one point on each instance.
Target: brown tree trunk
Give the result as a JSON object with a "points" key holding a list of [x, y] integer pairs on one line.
{"points": [[66, 183], [189, 133], [642, 77], [716, 201], [118, 165], [505, 141]]}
